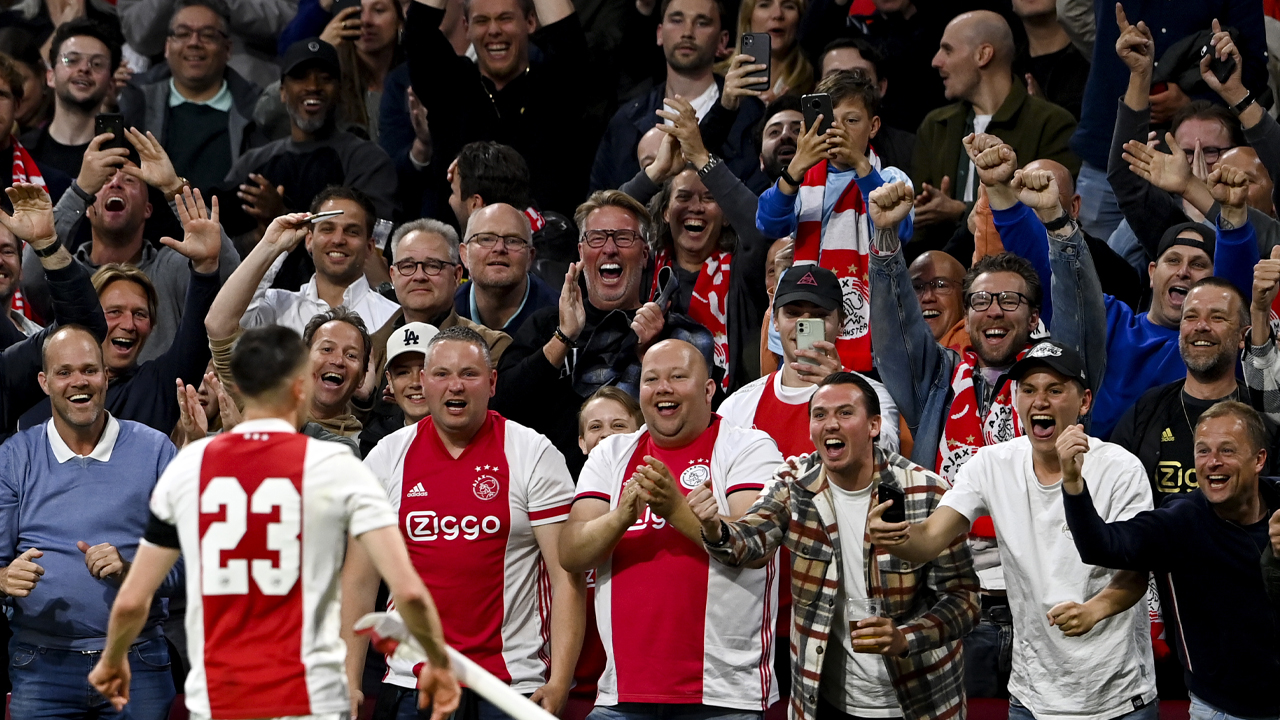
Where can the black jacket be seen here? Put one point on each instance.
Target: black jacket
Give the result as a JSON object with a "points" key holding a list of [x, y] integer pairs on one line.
{"points": [[540, 113], [1211, 591]]}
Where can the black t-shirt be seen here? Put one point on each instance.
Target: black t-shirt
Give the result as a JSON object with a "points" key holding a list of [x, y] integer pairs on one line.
{"points": [[51, 153]]}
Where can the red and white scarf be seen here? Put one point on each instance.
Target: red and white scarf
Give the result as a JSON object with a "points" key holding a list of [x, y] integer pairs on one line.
{"points": [[24, 170], [841, 245], [964, 431], [709, 304]]}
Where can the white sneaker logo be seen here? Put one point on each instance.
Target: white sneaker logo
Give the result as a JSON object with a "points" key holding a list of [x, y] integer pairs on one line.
{"points": [[417, 491]]}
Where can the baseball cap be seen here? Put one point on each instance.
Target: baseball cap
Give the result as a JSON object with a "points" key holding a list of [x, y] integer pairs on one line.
{"points": [[1170, 238], [310, 50], [1054, 355], [810, 283], [410, 337]]}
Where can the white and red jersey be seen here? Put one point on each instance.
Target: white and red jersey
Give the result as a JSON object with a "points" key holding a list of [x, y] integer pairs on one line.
{"points": [[468, 523], [263, 514], [783, 412], [688, 630]]}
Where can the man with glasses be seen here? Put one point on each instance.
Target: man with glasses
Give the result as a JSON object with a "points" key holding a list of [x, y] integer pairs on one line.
{"points": [[936, 278], [199, 109], [84, 55], [498, 252]]}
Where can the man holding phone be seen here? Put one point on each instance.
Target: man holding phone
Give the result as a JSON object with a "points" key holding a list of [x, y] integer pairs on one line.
{"points": [[819, 507]]}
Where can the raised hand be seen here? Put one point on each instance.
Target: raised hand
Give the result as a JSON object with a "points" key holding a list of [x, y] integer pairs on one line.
{"points": [[889, 205], [1135, 46], [573, 314], [345, 26], [228, 411], [193, 424], [811, 149], [1224, 48], [684, 129], [1038, 190], [1072, 618], [286, 231], [933, 205], [99, 165], [103, 560], [995, 164], [886, 534], [630, 504], [647, 325], [1266, 282], [1168, 171], [843, 151], [1230, 186], [1072, 444], [262, 200], [827, 359], [736, 81], [422, 147], [156, 169], [202, 236], [20, 577], [669, 161], [32, 218]]}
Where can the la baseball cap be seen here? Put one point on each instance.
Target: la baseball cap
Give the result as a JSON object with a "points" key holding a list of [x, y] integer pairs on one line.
{"points": [[809, 283], [313, 51], [1053, 355], [410, 337]]}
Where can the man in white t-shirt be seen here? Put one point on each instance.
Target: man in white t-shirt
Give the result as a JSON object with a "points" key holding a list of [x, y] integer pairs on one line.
{"points": [[778, 403], [693, 638], [262, 515], [481, 501], [1092, 666]]}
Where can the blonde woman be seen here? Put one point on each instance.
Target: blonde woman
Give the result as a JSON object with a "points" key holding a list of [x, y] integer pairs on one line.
{"points": [[789, 70]]}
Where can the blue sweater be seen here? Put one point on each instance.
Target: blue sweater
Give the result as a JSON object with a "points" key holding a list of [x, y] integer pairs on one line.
{"points": [[50, 505], [1211, 591], [777, 213]]}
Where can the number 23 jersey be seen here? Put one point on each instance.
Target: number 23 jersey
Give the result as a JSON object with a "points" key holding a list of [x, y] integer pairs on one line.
{"points": [[263, 514]]}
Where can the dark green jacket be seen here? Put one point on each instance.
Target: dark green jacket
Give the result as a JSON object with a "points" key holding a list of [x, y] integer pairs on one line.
{"points": [[1035, 128]]}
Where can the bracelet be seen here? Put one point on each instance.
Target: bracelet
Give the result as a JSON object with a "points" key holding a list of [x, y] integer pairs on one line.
{"points": [[48, 250], [173, 197], [714, 161], [787, 176], [724, 537], [1058, 223], [564, 339], [1244, 104]]}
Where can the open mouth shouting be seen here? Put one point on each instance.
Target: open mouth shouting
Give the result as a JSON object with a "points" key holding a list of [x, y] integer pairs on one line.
{"points": [[80, 399], [994, 336], [667, 408], [1043, 426], [1216, 482], [611, 272], [833, 448], [455, 406], [1177, 295], [114, 203], [332, 380], [498, 50]]}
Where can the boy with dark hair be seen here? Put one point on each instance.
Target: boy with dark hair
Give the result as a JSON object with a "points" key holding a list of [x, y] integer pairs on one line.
{"points": [[821, 196]]}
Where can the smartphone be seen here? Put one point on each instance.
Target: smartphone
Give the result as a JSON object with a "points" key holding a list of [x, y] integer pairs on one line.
{"points": [[815, 105], [808, 332], [757, 46], [340, 5], [897, 512], [114, 123], [1221, 69]]}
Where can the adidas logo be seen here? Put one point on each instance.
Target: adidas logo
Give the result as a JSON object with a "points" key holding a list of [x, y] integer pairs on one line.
{"points": [[417, 491], [1167, 435]]}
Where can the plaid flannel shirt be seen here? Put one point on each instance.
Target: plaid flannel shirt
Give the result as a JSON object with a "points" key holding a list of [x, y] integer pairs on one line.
{"points": [[934, 604]]}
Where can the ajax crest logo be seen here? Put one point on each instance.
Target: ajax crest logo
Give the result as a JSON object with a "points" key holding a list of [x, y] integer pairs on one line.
{"points": [[485, 486], [695, 474]]}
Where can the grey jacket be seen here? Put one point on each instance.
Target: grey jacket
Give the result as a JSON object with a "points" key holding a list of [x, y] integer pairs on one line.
{"points": [[144, 102], [168, 270]]}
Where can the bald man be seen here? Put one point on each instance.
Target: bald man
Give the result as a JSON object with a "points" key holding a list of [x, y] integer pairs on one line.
{"points": [[975, 60], [1261, 185], [937, 278], [498, 252], [630, 521]]}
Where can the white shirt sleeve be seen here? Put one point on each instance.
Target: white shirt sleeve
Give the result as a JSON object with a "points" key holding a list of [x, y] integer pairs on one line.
{"points": [[363, 497], [965, 495], [597, 477], [1130, 491], [550, 491], [263, 308], [753, 465]]}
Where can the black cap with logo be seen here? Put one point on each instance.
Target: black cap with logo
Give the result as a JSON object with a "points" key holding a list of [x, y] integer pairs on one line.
{"points": [[310, 51], [809, 283], [1054, 355]]}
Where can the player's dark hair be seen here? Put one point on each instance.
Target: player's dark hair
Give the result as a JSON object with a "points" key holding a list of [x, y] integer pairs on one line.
{"points": [[340, 314], [870, 400], [782, 104], [217, 7], [722, 9], [89, 28], [1205, 110], [11, 75], [461, 334], [495, 172], [342, 192], [1010, 263], [265, 358]]}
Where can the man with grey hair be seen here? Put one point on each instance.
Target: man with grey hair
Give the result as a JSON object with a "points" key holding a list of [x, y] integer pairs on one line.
{"points": [[425, 271], [975, 60], [498, 252]]}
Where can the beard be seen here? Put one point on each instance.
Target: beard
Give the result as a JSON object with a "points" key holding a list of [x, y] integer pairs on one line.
{"points": [[306, 123], [700, 61], [1208, 368], [773, 165], [87, 105]]}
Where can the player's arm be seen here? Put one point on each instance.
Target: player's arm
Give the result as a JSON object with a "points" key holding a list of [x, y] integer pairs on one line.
{"points": [[129, 615], [359, 593], [568, 620], [917, 543]]}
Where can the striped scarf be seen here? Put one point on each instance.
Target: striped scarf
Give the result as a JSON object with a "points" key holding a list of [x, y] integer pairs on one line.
{"points": [[709, 304], [965, 431], [25, 170]]}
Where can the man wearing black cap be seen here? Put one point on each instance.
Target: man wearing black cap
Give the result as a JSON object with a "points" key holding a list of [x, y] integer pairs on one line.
{"points": [[285, 175], [1074, 665], [778, 403]]}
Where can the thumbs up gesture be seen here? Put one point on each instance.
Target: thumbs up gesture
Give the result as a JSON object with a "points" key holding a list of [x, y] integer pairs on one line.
{"points": [[21, 576]]}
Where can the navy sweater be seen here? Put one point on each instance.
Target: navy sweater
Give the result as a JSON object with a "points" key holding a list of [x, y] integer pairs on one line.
{"points": [[1211, 591]]}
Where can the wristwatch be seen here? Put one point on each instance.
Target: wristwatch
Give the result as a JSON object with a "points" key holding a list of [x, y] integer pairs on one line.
{"points": [[787, 176], [173, 197], [48, 250], [711, 163], [1244, 104]]}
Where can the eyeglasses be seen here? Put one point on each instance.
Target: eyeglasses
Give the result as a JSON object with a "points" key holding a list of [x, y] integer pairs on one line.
{"points": [[513, 243], [1008, 300], [622, 238], [431, 267], [206, 36], [941, 286], [98, 63], [1211, 154]]}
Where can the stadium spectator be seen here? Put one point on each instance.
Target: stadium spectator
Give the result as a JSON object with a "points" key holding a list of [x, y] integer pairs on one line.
{"points": [[199, 109], [24, 167], [630, 521], [780, 130], [918, 628], [498, 252], [340, 347], [1049, 65], [10, 278], [790, 70], [61, 575], [893, 146], [405, 350], [453, 468], [975, 61], [936, 278]]}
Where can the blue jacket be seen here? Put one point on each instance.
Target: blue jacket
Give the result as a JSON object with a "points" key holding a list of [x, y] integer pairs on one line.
{"points": [[1211, 591], [730, 135]]}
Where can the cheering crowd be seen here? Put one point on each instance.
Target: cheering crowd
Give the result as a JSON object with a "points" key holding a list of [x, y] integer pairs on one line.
{"points": [[667, 359]]}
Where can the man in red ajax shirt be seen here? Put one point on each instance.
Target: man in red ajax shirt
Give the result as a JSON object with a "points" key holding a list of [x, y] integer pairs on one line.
{"points": [[708, 654], [481, 501]]}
